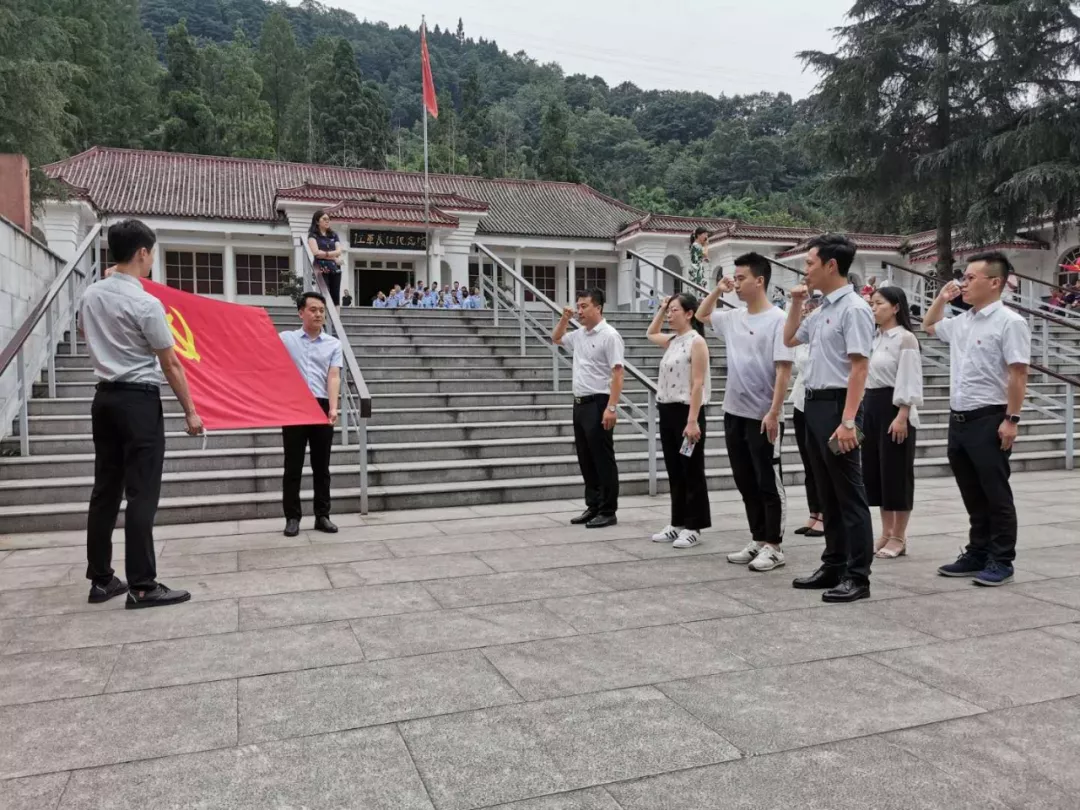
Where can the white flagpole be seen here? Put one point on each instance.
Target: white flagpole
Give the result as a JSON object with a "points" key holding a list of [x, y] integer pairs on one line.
{"points": [[427, 182]]}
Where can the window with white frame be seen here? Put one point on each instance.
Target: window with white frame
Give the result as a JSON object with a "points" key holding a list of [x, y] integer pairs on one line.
{"points": [[195, 272], [260, 275], [588, 277], [1070, 259], [540, 276]]}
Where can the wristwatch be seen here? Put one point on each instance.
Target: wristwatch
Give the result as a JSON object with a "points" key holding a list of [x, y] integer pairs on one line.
{"points": [[848, 424], [1013, 417], [612, 408]]}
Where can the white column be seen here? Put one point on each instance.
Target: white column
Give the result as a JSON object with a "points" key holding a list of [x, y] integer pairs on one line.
{"points": [[517, 268], [230, 270], [571, 280], [157, 272]]}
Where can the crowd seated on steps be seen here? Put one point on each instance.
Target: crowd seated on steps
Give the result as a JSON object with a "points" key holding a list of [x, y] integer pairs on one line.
{"points": [[429, 297]]}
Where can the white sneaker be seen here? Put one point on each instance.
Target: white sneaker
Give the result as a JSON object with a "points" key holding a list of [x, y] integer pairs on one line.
{"points": [[747, 554], [767, 559], [667, 535], [688, 538]]}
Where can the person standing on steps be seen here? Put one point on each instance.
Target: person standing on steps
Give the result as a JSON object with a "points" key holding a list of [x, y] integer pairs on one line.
{"points": [[990, 349], [758, 373], [598, 382], [131, 350], [841, 336], [319, 358], [683, 390], [699, 256], [326, 248]]}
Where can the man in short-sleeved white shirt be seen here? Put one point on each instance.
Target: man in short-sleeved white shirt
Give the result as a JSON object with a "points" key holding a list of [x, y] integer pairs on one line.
{"points": [[597, 385], [990, 349], [758, 373]]}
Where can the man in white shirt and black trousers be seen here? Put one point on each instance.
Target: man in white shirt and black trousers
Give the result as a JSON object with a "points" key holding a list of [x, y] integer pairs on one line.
{"points": [[598, 382], [841, 338], [990, 349], [758, 373]]}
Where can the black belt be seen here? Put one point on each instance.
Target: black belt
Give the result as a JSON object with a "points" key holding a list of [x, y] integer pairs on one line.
{"points": [[591, 398], [978, 413], [105, 385], [826, 394], [879, 392]]}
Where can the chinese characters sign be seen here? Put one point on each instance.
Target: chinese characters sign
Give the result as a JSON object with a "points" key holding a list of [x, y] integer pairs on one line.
{"points": [[387, 240]]}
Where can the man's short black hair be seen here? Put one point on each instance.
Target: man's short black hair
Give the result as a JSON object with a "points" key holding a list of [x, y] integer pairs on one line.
{"points": [[595, 294], [126, 238], [758, 266], [301, 302], [997, 264], [834, 246]]}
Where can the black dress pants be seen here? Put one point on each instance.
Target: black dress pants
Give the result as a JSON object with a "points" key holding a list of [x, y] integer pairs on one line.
{"points": [[849, 532], [596, 454], [129, 456], [755, 465], [982, 473], [333, 286], [813, 500], [686, 474], [297, 439]]}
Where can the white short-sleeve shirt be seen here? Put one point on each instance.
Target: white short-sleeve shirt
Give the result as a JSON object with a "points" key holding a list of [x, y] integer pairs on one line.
{"points": [[755, 344], [597, 352], [844, 326]]}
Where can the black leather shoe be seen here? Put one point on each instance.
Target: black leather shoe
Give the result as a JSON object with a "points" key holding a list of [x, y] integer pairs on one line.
{"points": [[103, 593], [159, 596], [584, 517], [323, 524], [292, 527], [847, 591], [819, 580], [601, 521]]}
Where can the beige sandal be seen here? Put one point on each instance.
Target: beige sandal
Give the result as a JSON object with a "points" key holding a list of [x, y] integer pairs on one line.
{"points": [[891, 554]]}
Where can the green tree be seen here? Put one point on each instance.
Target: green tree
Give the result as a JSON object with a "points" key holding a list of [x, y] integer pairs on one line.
{"points": [[555, 153], [189, 123], [353, 118], [244, 122], [303, 140], [280, 67]]}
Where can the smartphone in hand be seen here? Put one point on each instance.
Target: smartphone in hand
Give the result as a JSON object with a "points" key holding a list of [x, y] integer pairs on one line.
{"points": [[834, 443]]}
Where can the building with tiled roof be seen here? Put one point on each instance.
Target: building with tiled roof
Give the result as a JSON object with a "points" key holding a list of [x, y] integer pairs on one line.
{"points": [[227, 226]]}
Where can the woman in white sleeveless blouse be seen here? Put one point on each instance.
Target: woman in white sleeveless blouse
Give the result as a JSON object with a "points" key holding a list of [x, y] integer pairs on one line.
{"points": [[683, 389]]}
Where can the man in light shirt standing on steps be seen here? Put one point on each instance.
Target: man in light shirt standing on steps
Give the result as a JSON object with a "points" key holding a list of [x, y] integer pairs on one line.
{"points": [[598, 382], [758, 373]]}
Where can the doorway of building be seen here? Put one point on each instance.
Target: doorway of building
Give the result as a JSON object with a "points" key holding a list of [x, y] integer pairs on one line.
{"points": [[372, 276]]}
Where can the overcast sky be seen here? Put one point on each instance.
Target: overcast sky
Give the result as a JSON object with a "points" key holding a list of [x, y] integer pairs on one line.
{"points": [[717, 47]]}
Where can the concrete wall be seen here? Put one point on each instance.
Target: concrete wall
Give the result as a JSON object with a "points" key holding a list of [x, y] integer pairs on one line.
{"points": [[27, 268]]}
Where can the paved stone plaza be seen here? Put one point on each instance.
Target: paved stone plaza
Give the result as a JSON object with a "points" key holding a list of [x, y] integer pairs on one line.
{"points": [[495, 657]]}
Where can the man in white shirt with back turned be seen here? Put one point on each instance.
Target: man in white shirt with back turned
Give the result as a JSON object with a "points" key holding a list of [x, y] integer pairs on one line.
{"points": [[990, 348], [758, 373], [598, 382]]}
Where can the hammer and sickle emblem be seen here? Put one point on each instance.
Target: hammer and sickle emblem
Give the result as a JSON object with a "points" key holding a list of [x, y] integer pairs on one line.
{"points": [[185, 341]]}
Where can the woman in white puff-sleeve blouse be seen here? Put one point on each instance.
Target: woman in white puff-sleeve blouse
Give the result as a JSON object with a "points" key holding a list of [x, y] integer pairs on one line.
{"points": [[894, 392]]}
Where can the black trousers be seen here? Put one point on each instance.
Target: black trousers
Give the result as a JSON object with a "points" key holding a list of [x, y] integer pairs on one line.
{"points": [[755, 465], [686, 474], [849, 532], [596, 454], [297, 439], [813, 500], [129, 455], [888, 467], [333, 285], [982, 473]]}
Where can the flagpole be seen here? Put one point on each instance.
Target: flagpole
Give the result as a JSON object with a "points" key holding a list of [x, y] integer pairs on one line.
{"points": [[427, 186]]}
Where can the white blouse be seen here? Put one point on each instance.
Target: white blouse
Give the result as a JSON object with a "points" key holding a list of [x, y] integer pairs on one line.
{"points": [[676, 371], [896, 363], [798, 390]]}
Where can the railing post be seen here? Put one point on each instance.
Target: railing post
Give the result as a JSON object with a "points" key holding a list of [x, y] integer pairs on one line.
{"points": [[495, 293], [343, 406], [637, 286], [1070, 418], [520, 289], [73, 334], [554, 357], [24, 405], [50, 345], [362, 434], [651, 426], [1045, 341]]}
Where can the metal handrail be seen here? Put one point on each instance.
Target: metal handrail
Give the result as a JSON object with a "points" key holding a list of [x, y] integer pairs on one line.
{"points": [[360, 403], [628, 406], [15, 350]]}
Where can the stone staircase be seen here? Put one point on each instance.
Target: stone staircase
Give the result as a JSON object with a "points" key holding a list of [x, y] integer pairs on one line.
{"points": [[459, 418]]}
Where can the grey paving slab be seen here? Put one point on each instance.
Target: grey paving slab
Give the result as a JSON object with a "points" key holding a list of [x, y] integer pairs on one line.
{"points": [[234, 542], [623, 610], [811, 634], [1025, 757], [605, 661], [47, 676], [1059, 591], [169, 568], [592, 799], [670, 571], [368, 769], [416, 546], [560, 535], [121, 626], [853, 775], [88, 731], [995, 672], [474, 759], [771, 591], [513, 587], [311, 607], [780, 708], [456, 629], [1059, 561], [64, 555], [1069, 631], [365, 534], [412, 569], [315, 701], [33, 792], [254, 583], [535, 507], [921, 576], [564, 556], [312, 555], [35, 576], [234, 655], [710, 544], [57, 601], [973, 612], [482, 525]]}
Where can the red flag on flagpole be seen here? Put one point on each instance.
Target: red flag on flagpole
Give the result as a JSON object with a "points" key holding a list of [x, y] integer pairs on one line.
{"points": [[239, 372], [430, 101]]}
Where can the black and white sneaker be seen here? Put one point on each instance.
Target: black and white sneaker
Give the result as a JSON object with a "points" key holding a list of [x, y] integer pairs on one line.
{"points": [[103, 593], [158, 596]]}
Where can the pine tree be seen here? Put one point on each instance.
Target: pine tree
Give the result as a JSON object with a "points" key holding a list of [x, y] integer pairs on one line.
{"points": [[281, 69], [189, 124], [555, 156], [244, 122], [472, 123], [460, 31], [353, 117], [303, 139]]}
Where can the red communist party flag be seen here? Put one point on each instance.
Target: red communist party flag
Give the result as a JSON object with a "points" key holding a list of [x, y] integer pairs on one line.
{"points": [[430, 101], [239, 372]]}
